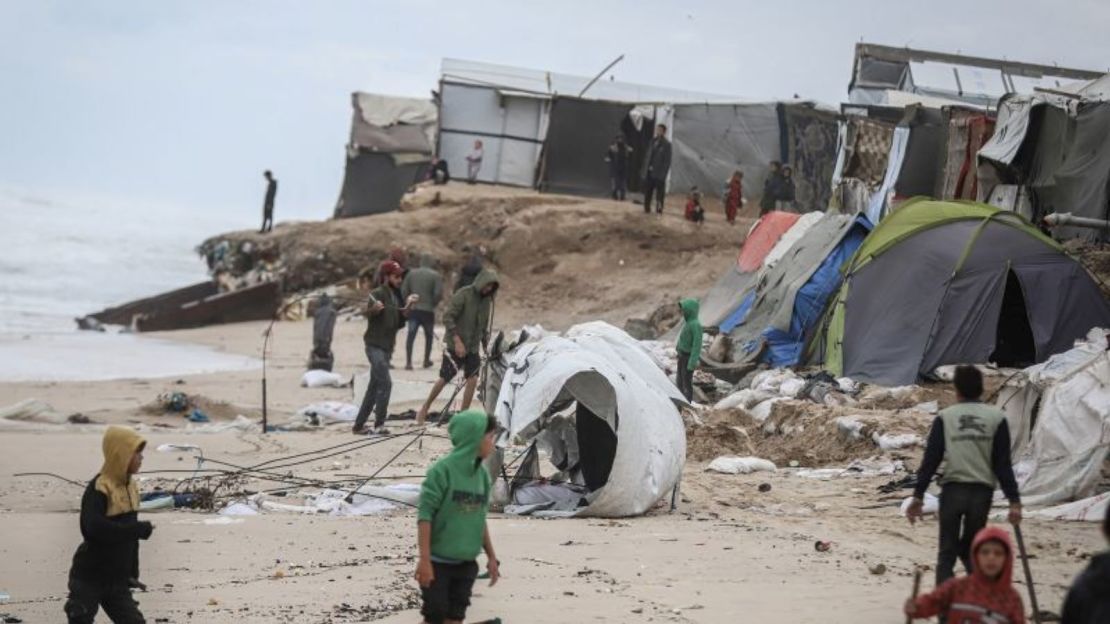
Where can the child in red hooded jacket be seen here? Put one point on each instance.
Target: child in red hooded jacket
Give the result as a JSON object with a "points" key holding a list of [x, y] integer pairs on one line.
{"points": [[986, 596]]}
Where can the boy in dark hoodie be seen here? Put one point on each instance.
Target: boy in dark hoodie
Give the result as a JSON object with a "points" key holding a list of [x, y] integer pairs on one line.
{"points": [[986, 596], [106, 563], [451, 524], [688, 347], [1088, 600]]}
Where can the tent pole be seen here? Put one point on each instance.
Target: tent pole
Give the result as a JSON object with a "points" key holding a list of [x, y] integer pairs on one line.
{"points": [[599, 75]]}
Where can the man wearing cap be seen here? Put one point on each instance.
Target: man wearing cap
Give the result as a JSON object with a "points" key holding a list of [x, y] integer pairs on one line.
{"points": [[384, 316]]}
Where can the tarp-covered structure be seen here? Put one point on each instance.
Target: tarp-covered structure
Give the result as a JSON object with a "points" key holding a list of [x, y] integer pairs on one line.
{"points": [[726, 295], [711, 141], [1050, 154], [601, 384], [809, 147], [389, 150], [956, 282], [782, 308], [1059, 417]]}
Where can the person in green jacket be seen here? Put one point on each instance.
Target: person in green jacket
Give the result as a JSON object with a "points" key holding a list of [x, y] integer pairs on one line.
{"points": [[451, 520], [688, 347], [384, 316], [428, 283], [466, 324]]}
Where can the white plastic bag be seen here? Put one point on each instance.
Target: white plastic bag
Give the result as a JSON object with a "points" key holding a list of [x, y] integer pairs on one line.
{"points": [[321, 379], [740, 465]]}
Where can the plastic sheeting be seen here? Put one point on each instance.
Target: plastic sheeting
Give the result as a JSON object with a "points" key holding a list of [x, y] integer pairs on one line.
{"points": [[879, 205], [810, 141], [607, 372], [713, 140]]}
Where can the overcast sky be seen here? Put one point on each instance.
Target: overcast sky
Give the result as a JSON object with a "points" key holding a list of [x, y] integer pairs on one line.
{"points": [[185, 103]]}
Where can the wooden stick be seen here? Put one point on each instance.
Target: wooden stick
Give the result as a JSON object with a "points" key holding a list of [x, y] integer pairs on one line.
{"points": [[916, 588], [1028, 574]]}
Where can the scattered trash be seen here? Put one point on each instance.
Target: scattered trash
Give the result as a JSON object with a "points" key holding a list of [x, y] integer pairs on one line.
{"points": [[764, 487], [931, 506], [820, 546], [174, 401], [32, 410], [198, 416], [78, 419], [222, 521], [877, 569], [324, 413], [320, 378], [740, 465], [894, 442], [241, 423], [929, 407]]}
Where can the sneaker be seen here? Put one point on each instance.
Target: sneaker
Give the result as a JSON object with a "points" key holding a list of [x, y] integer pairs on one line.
{"points": [[360, 430], [428, 364], [381, 431]]}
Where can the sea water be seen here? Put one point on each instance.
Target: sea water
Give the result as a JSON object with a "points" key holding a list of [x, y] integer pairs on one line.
{"points": [[64, 259]]}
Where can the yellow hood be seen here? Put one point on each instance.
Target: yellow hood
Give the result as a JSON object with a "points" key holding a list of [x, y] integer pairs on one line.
{"points": [[120, 444]]}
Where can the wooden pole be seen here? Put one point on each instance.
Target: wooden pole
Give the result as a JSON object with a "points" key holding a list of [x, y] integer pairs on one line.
{"points": [[1028, 574], [916, 589]]}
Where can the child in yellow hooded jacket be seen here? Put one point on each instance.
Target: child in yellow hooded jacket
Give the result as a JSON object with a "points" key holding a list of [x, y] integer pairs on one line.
{"points": [[106, 563]]}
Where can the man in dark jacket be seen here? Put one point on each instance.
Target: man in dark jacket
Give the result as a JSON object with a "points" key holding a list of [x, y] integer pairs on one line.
{"points": [[268, 203], [772, 188], [323, 328], [617, 157], [973, 439], [466, 324], [1088, 600], [426, 283], [658, 166], [384, 316], [106, 563]]}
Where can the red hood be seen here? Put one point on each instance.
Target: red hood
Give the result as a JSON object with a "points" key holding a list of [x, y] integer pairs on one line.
{"points": [[994, 533]]}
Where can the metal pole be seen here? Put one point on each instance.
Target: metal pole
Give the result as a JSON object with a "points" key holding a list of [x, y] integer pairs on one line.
{"points": [[1067, 218], [600, 74], [1028, 575]]}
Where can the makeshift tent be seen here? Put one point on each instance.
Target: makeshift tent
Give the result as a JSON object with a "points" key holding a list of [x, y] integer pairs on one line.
{"points": [[861, 162], [631, 442], [915, 150], [711, 141], [956, 282], [809, 147], [390, 149], [965, 132], [510, 124], [1059, 413], [726, 294], [578, 139], [784, 304]]}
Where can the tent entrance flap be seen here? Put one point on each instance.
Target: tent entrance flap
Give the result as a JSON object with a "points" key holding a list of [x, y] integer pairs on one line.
{"points": [[597, 446], [1014, 346]]}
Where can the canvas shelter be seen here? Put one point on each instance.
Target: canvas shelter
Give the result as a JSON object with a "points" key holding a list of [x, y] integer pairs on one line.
{"points": [[390, 149], [606, 388], [809, 146], [1058, 412], [782, 308], [724, 297], [956, 282], [966, 130], [711, 141]]}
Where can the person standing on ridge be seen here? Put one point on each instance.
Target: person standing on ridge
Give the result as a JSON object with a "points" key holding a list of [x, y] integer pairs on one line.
{"points": [[474, 162], [268, 203], [617, 157], [973, 439], [659, 165], [426, 283]]}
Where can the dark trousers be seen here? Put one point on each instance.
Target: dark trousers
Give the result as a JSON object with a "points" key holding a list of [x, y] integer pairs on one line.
{"points": [[658, 188], [964, 508], [449, 595], [86, 597], [267, 220], [421, 319], [685, 376], [618, 185], [377, 392]]}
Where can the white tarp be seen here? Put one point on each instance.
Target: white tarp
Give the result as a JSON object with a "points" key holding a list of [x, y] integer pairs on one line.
{"points": [[386, 110], [1063, 457], [617, 379], [880, 204]]}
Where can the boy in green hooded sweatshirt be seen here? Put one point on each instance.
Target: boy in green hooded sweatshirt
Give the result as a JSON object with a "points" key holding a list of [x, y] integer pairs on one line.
{"points": [[451, 522], [688, 347]]}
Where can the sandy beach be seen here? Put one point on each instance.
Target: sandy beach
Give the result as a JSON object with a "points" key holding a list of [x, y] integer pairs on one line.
{"points": [[727, 553]]}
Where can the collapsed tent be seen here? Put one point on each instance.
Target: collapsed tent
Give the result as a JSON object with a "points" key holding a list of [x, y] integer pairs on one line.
{"points": [[723, 299], [600, 383], [390, 149], [953, 282], [782, 309], [711, 141], [1058, 413]]}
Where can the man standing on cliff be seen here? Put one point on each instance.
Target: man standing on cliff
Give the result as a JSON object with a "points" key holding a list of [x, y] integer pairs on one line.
{"points": [[658, 166], [268, 204]]}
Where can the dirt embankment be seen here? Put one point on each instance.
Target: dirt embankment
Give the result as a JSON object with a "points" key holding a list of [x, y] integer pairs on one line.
{"points": [[562, 260]]}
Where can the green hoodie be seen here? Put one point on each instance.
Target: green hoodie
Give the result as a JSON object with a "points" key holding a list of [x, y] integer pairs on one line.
{"points": [[468, 314], [455, 493], [689, 341]]}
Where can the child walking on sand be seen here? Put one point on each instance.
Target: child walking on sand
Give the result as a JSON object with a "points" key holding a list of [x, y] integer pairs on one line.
{"points": [[106, 563], [451, 522], [986, 596]]}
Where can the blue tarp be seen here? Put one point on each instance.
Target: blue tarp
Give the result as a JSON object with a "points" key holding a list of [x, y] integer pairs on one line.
{"points": [[739, 314], [785, 348]]}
